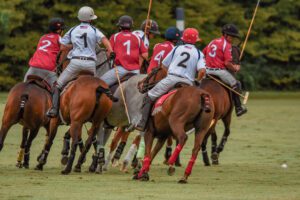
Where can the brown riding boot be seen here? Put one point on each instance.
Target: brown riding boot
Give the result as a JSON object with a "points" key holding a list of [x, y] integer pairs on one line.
{"points": [[147, 105]]}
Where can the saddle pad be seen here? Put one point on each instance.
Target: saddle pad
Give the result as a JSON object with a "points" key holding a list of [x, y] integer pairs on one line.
{"points": [[158, 104]]}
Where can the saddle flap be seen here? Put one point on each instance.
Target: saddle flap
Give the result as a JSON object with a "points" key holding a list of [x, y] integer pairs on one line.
{"points": [[160, 101], [39, 81]]}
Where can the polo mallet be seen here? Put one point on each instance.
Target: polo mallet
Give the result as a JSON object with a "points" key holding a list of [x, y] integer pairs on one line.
{"points": [[122, 92], [245, 97], [148, 17]]}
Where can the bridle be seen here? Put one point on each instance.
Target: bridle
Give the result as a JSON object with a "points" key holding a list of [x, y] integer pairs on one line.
{"points": [[146, 85]]}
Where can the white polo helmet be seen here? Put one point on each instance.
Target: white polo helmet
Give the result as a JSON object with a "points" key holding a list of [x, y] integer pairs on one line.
{"points": [[86, 13]]}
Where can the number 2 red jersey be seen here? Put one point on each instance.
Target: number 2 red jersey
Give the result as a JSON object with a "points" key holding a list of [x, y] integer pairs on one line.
{"points": [[217, 52], [128, 48], [160, 51], [46, 52]]}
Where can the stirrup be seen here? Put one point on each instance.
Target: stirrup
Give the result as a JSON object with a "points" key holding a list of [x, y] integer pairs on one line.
{"points": [[240, 111], [52, 113]]}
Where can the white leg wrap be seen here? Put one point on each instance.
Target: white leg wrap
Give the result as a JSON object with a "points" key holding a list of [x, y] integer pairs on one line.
{"points": [[130, 153]]}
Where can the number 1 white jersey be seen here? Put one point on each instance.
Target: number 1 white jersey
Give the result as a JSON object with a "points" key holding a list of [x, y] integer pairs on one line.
{"points": [[185, 60], [84, 38]]}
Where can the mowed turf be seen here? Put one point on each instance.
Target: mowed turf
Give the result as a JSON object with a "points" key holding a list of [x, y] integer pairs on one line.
{"points": [[250, 166]]}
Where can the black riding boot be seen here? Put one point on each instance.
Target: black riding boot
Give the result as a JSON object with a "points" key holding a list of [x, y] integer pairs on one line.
{"points": [[53, 112], [147, 105], [239, 108]]}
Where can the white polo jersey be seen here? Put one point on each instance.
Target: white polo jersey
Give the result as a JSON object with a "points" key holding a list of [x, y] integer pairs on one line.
{"points": [[84, 38], [185, 60], [141, 35]]}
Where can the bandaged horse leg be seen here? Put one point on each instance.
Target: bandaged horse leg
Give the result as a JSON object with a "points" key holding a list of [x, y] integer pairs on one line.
{"points": [[226, 122], [143, 174], [88, 144], [33, 134], [141, 151], [204, 151], [120, 148], [178, 130], [42, 158], [137, 140], [75, 131], [177, 162], [131, 153], [214, 152], [66, 148], [168, 151], [199, 136], [115, 141], [22, 148], [103, 136]]}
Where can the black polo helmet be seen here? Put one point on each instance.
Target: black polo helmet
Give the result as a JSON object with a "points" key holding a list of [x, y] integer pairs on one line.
{"points": [[231, 29], [152, 26], [125, 22], [56, 24]]}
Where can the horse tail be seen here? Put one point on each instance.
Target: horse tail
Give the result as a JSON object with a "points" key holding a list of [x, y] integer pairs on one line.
{"points": [[24, 98], [101, 90]]}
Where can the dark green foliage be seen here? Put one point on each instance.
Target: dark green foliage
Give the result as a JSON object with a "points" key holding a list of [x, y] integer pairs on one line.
{"points": [[271, 59]]}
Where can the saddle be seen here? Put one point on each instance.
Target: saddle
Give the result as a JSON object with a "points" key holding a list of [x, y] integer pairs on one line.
{"points": [[40, 82], [114, 87]]}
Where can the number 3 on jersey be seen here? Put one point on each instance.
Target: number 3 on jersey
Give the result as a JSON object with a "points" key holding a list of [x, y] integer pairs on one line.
{"points": [[127, 44], [212, 53]]}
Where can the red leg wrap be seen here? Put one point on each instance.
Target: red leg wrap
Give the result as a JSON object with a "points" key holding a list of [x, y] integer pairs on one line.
{"points": [[189, 168], [175, 154], [146, 166]]}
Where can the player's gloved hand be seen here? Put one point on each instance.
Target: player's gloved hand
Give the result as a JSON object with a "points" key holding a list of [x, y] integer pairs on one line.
{"points": [[112, 55]]}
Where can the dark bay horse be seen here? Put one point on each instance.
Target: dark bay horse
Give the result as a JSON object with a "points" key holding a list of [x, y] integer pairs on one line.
{"points": [[181, 112], [26, 104], [223, 111]]}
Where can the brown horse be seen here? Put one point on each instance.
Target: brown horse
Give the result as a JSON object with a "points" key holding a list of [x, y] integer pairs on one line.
{"points": [[26, 104], [182, 111], [223, 110]]}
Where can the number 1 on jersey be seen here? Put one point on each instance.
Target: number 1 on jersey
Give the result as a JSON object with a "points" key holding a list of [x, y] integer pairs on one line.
{"points": [[84, 38], [127, 44]]}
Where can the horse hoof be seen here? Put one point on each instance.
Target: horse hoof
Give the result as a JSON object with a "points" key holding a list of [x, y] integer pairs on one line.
{"points": [[178, 164], [92, 169], [65, 172], [39, 167], [215, 158], [19, 165], [171, 171], [144, 177], [64, 160], [206, 164], [182, 181], [135, 177], [77, 169], [99, 169], [26, 165]]}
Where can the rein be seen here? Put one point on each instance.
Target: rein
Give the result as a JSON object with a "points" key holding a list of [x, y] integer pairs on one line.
{"points": [[146, 85]]}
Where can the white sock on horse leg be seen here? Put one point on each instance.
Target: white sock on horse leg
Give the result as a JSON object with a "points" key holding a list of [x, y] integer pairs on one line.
{"points": [[130, 153], [108, 159]]}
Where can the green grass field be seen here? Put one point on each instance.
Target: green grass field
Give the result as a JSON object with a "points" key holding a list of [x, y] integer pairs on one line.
{"points": [[250, 166]]}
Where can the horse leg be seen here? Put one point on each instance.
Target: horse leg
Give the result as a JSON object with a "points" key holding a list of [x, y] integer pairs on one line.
{"points": [[197, 144], [131, 152], [75, 131], [159, 144], [33, 134], [114, 145], [66, 148], [135, 162], [22, 147], [120, 148], [204, 150], [178, 130], [214, 153], [168, 151], [143, 173], [42, 158], [177, 162], [226, 122], [88, 144], [102, 138]]}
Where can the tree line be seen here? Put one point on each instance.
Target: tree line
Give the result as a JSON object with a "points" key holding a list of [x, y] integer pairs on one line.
{"points": [[271, 59]]}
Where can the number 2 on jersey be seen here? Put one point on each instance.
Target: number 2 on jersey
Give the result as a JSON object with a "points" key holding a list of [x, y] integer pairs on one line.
{"points": [[183, 62], [127, 44], [43, 48]]}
